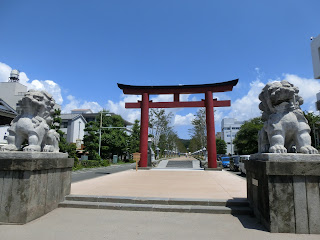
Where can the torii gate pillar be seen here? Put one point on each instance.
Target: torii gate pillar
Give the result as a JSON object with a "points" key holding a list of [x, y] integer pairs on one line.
{"points": [[144, 130], [211, 138]]}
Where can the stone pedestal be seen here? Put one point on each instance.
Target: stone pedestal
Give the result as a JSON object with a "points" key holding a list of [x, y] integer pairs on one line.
{"points": [[283, 190], [32, 184]]}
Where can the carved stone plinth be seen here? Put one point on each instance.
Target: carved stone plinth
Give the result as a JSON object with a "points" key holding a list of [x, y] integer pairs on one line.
{"points": [[32, 184], [283, 190]]}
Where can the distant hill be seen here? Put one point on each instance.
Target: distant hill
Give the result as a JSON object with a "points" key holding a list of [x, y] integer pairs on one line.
{"points": [[185, 142]]}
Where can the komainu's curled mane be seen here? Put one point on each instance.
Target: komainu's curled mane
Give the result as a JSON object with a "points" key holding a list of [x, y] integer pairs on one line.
{"points": [[33, 124], [285, 127]]}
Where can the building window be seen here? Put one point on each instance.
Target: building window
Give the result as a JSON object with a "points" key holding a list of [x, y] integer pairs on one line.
{"points": [[64, 125]]}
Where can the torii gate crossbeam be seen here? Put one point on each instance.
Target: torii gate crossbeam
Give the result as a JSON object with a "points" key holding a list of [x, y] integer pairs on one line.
{"points": [[209, 103]]}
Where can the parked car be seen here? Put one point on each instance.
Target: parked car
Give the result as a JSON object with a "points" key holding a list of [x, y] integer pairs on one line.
{"points": [[234, 163], [225, 162], [241, 163]]}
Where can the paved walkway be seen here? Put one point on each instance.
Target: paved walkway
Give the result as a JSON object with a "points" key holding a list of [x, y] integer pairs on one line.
{"points": [[165, 184], [94, 224], [181, 163]]}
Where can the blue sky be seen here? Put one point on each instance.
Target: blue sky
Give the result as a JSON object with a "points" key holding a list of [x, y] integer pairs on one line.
{"points": [[79, 50]]}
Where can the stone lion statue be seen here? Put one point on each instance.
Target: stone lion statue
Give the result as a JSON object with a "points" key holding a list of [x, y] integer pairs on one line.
{"points": [[285, 127], [33, 124]]}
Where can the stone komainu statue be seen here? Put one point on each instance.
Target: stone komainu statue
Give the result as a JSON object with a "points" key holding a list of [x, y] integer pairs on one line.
{"points": [[33, 124], [285, 127]]}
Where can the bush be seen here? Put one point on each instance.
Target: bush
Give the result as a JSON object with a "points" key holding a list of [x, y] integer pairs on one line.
{"points": [[79, 164]]}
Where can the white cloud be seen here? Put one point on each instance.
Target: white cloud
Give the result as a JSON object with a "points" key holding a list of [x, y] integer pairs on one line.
{"points": [[47, 85], [308, 88], [119, 107], [247, 107], [74, 103], [183, 120], [4, 72]]}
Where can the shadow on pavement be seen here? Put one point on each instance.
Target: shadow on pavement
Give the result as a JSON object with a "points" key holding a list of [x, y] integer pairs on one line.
{"points": [[247, 221], [250, 222], [102, 173]]}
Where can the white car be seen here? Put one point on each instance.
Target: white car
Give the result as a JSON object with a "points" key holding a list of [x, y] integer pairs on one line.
{"points": [[242, 168]]}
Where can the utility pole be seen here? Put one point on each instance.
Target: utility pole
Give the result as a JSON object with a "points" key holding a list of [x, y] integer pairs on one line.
{"points": [[100, 133]]}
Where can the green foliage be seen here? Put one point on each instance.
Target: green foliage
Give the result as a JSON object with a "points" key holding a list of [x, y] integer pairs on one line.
{"points": [[185, 142], [221, 146], [314, 123], [246, 140], [134, 138], [162, 132], [114, 141], [159, 125], [64, 146], [199, 131], [90, 164]]}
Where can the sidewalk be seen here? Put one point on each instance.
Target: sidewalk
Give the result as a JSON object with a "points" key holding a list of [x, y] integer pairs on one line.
{"points": [[93, 224]]}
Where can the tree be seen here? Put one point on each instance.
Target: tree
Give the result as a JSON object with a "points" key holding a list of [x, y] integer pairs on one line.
{"points": [[221, 146], [64, 146], [246, 140], [134, 138], [159, 123], [199, 131], [114, 140], [314, 123]]}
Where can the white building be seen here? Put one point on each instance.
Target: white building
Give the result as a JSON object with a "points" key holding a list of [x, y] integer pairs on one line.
{"points": [[7, 114], [73, 126], [315, 52], [229, 129], [12, 92]]}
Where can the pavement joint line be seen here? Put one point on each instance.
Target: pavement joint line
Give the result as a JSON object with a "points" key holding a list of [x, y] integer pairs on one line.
{"points": [[157, 207], [160, 200]]}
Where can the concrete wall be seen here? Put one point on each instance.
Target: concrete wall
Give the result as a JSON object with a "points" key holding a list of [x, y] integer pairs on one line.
{"points": [[12, 92], [283, 190], [32, 186]]}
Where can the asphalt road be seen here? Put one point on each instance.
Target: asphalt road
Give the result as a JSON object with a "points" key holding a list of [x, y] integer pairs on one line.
{"points": [[89, 173], [235, 173]]}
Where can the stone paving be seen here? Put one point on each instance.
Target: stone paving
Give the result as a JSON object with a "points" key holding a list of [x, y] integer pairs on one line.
{"points": [[97, 224], [167, 184]]}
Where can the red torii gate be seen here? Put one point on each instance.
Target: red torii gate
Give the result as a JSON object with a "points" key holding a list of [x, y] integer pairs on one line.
{"points": [[209, 103]]}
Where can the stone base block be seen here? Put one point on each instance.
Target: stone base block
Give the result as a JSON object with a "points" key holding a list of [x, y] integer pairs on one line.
{"points": [[283, 190], [32, 185]]}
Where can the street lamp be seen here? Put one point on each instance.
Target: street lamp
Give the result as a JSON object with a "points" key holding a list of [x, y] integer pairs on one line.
{"points": [[158, 152], [107, 115], [204, 153]]}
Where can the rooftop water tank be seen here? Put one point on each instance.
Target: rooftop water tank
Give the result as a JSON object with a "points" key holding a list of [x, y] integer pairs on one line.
{"points": [[14, 75]]}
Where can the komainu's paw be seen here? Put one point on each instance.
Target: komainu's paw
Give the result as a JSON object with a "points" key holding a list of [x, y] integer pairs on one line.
{"points": [[32, 148], [308, 150], [9, 147], [48, 148], [277, 149]]}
